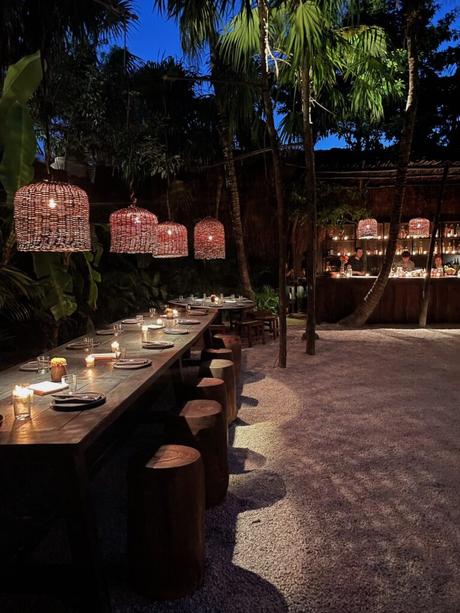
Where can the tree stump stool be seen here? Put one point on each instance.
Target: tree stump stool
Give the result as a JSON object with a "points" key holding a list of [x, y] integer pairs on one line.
{"points": [[202, 424], [233, 342], [207, 388], [166, 523], [209, 353], [223, 369]]}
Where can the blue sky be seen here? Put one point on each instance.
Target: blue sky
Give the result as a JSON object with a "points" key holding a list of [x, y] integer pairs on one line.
{"points": [[154, 37]]}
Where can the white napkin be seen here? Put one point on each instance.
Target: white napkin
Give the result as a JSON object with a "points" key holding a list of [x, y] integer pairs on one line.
{"points": [[47, 387], [104, 356]]}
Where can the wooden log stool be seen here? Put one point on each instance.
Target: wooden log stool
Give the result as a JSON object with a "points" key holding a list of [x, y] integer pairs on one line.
{"points": [[166, 523], [202, 424], [223, 369], [210, 353], [233, 342]]}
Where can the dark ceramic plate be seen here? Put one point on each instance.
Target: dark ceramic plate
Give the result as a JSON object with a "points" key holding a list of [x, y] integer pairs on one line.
{"points": [[131, 363], [80, 345], [77, 402], [29, 366]]}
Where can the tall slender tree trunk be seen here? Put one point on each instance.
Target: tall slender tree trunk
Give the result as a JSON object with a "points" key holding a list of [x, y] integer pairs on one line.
{"points": [[225, 138], [371, 300], [276, 159], [232, 183], [426, 283], [310, 192]]}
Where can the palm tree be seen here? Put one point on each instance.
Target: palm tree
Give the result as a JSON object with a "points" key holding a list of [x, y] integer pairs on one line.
{"points": [[199, 23], [312, 49], [359, 317]]}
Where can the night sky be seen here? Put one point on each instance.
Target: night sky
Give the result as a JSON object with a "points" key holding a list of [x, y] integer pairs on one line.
{"points": [[153, 37]]}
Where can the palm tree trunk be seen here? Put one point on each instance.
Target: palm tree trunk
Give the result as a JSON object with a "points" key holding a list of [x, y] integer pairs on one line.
{"points": [[426, 283], [232, 183], [310, 191], [371, 300], [276, 158]]}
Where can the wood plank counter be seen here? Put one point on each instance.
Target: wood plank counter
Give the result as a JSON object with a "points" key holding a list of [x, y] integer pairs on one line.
{"points": [[400, 304]]}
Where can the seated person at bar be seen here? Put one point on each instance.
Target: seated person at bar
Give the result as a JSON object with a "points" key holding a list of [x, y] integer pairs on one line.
{"points": [[438, 265], [356, 262], [406, 263]]}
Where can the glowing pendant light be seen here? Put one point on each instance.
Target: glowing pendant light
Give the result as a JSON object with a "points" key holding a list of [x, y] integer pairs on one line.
{"points": [[133, 230], [171, 240], [52, 216], [419, 227], [367, 228], [209, 239]]}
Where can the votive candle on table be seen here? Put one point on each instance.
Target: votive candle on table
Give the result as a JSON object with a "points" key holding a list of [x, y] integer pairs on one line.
{"points": [[115, 347], [90, 360], [22, 402], [159, 322]]}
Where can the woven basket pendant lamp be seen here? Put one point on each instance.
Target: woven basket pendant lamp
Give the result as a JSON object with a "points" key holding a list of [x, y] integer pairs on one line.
{"points": [[419, 227], [133, 230], [52, 216], [209, 239], [367, 228], [171, 240]]}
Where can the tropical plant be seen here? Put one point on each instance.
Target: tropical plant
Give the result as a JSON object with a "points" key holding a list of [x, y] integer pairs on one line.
{"points": [[267, 299], [199, 23]]}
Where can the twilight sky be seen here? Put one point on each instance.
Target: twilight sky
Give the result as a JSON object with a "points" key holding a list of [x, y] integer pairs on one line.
{"points": [[153, 37]]}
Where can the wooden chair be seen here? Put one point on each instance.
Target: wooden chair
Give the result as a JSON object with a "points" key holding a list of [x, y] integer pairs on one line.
{"points": [[166, 523], [271, 322], [251, 329]]}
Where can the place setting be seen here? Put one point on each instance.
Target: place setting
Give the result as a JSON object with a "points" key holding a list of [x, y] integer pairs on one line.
{"points": [[157, 345], [83, 401], [87, 344], [131, 363]]}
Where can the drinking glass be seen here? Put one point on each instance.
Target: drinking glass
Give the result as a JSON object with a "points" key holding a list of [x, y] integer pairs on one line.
{"points": [[152, 312], [22, 402], [139, 319], [181, 298], [71, 381], [117, 329], [89, 342], [43, 364], [188, 307]]}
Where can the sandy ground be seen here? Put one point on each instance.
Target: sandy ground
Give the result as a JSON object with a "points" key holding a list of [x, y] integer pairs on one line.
{"points": [[344, 492]]}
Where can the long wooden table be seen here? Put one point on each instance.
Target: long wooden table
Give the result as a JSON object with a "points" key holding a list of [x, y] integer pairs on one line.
{"points": [[71, 442]]}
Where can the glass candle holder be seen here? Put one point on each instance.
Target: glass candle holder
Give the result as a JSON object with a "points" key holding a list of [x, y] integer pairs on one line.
{"points": [[90, 360], [22, 402], [115, 347]]}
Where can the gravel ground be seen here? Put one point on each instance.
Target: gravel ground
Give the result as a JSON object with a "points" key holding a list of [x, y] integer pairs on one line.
{"points": [[344, 492]]}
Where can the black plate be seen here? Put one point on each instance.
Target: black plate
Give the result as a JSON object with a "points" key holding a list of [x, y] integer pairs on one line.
{"points": [[108, 332], [29, 366], [80, 345], [67, 406], [133, 364]]}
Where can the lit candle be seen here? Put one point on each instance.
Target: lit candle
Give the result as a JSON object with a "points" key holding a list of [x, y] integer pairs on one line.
{"points": [[159, 322], [89, 361], [115, 346], [175, 313], [22, 402]]}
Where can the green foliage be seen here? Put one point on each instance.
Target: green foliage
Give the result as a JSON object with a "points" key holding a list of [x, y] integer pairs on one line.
{"points": [[17, 137], [57, 283], [267, 299], [17, 290]]}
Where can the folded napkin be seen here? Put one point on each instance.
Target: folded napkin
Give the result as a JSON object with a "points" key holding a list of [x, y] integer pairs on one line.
{"points": [[47, 387], [104, 356]]}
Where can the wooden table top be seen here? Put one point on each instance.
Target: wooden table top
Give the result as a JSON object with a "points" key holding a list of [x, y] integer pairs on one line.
{"points": [[229, 304], [121, 387]]}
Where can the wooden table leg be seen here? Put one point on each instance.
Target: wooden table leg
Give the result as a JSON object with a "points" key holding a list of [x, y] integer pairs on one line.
{"points": [[81, 525]]}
